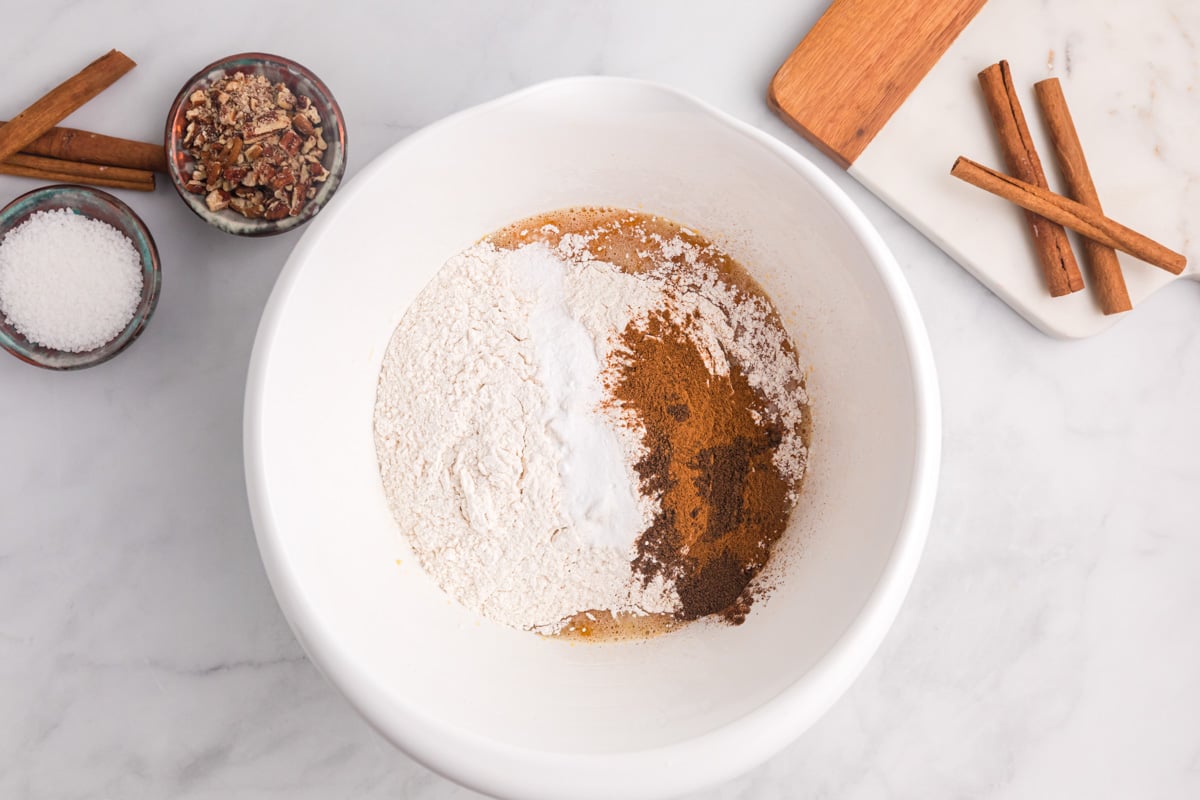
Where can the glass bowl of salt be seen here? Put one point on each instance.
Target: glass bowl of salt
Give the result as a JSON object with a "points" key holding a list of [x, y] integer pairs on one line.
{"points": [[79, 277]]}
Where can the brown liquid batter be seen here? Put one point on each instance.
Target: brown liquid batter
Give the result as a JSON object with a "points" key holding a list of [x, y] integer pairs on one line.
{"points": [[709, 440]]}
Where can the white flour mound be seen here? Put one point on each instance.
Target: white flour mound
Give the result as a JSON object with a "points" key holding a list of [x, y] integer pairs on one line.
{"points": [[486, 450]]}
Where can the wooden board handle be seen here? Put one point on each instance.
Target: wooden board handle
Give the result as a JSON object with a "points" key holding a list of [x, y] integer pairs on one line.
{"points": [[861, 60]]}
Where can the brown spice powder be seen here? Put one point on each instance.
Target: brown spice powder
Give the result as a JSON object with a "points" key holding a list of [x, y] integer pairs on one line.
{"points": [[708, 458]]}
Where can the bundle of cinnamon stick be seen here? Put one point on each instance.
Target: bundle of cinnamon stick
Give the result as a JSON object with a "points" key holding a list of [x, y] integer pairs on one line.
{"points": [[31, 145], [1048, 213]]}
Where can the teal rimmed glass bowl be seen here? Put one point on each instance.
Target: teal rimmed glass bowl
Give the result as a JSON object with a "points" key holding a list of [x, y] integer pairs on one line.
{"points": [[98, 205], [277, 69]]}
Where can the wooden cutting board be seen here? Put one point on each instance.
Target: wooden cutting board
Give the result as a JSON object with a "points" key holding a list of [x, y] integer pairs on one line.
{"points": [[889, 91]]}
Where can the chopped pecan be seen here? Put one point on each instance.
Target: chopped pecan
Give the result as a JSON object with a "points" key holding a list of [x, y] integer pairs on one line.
{"points": [[302, 124], [284, 98], [251, 208], [277, 209], [264, 172], [213, 170], [235, 174], [290, 142], [268, 123], [231, 150], [299, 198], [283, 178], [217, 200]]}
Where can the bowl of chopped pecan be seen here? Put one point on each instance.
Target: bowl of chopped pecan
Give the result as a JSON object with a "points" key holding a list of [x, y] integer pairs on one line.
{"points": [[256, 144]]}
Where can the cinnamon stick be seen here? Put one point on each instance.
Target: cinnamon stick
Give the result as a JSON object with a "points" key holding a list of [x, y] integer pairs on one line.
{"points": [[81, 170], [78, 172], [1102, 260], [1080, 218], [71, 144], [1050, 240], [69, 95]]}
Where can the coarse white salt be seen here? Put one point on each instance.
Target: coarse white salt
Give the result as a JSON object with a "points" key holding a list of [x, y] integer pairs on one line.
{"points": [[67, 281]]}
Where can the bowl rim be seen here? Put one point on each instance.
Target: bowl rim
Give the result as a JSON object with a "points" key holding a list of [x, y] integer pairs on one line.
{"points": [[151, 289], [504, 770], [263, 227]]}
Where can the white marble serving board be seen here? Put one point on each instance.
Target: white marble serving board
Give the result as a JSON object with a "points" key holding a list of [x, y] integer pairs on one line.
{"points": [[1131, 74]]}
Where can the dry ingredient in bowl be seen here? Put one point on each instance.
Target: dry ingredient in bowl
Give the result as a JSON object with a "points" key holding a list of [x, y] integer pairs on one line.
{"points": [[258, 147], [67, 281], [590, 417]]}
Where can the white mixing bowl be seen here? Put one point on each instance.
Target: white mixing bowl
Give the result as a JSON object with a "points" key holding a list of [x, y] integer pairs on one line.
{"points": [[504, 711]]}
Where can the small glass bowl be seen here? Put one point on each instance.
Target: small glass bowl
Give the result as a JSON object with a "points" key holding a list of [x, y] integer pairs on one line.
{"points": [[99, 205], [277, 70]]}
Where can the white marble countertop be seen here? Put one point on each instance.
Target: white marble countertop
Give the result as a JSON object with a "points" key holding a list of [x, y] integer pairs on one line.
{"points": [[1049, 647]]}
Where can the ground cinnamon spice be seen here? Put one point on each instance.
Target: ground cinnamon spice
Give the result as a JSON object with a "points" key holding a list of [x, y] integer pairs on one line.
{"points": [[709, 447]]}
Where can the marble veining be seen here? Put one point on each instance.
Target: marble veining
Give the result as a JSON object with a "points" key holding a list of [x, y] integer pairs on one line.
{"points": [[1048, 647], [1136, 114]]}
